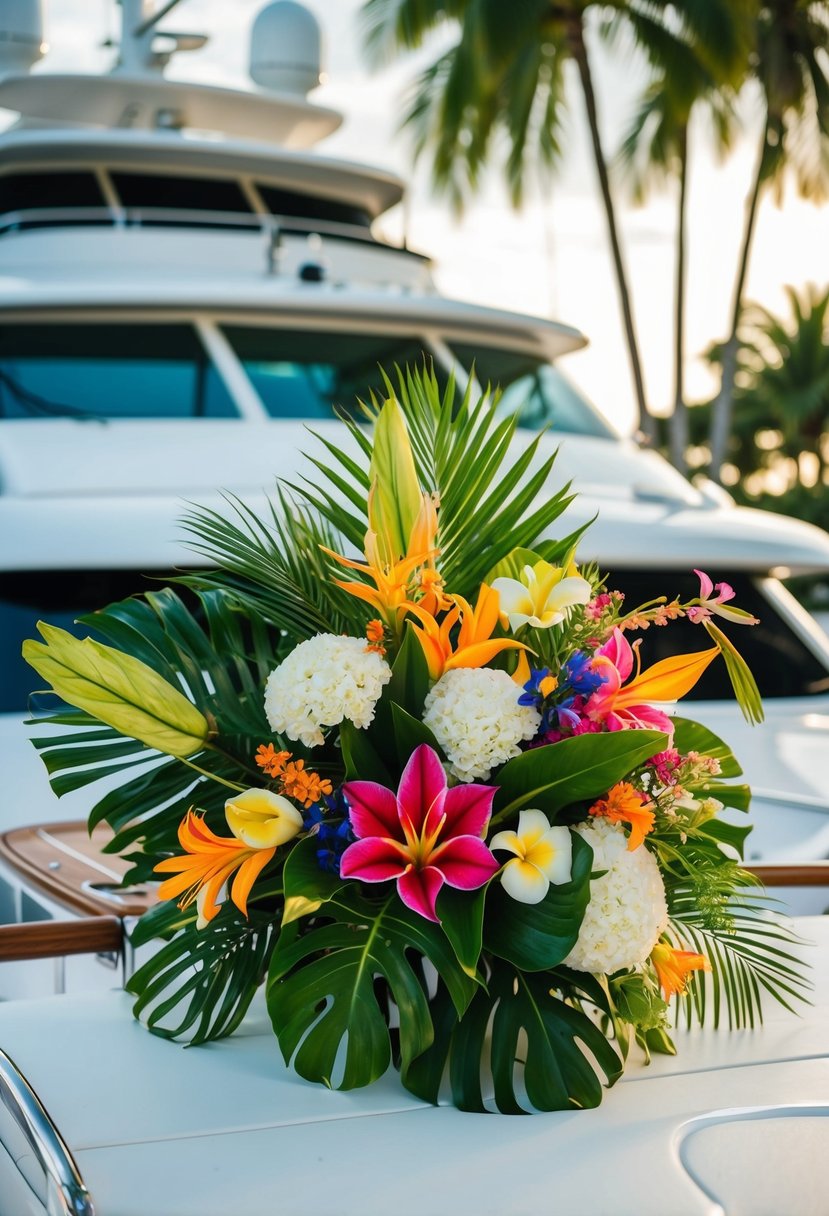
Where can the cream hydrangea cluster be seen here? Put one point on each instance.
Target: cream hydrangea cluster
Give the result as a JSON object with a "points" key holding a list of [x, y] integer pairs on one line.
{"points": [[323, 681], [474, 714], [627, 910]]}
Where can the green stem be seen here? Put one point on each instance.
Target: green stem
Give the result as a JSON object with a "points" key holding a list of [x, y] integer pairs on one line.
{"points": [[231, 785]]}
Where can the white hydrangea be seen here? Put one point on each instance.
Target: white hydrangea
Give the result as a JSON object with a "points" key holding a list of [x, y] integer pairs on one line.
{"points": [[323, 681], [474, 714], [627, 910]]}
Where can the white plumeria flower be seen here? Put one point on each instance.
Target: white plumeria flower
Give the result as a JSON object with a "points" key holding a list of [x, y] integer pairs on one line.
{"points": [[543, 597], [543, 854]]}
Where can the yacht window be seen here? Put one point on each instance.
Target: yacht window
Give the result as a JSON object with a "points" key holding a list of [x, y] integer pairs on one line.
{"points": [[305, 206], [49, 190], [148, 192], [108, 371], [304, 373], [781, 663], [59, 597], [534, 390]]}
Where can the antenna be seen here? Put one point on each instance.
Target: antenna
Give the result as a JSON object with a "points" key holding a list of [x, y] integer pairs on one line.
{"points": [[140, 53]]}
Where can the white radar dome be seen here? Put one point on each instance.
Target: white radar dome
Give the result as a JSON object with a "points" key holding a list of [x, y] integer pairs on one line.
{"points": [[21, 35], [286, 48]]}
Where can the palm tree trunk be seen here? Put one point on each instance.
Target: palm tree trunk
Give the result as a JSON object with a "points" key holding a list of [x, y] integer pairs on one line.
{"points": [[679, 418], [579, 53], [723, 407]]}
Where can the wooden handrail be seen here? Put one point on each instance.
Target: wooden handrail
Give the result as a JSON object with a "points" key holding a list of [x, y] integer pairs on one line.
{"points": [[54, 938], [793, 874]]}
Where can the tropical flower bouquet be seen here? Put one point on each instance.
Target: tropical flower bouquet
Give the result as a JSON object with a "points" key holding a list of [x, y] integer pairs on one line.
{"points": [[426, 794]]}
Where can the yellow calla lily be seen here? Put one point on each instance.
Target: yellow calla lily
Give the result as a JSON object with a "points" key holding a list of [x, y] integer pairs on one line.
{"points": [[262, 819]]}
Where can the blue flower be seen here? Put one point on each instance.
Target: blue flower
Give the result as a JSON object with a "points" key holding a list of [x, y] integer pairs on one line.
{"points": [[328, 821], [578, 676]]}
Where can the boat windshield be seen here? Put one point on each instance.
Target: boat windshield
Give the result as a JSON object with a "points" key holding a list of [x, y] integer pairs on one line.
{"points": [[309, 373], [534, 390], [94, 370]]}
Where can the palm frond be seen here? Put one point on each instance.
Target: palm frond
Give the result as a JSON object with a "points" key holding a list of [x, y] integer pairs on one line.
{"points": [[466, 453], [752, 952]]}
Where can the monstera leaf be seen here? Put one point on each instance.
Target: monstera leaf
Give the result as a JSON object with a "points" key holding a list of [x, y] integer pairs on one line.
{"points": [[532, 1058], [536, 937], [326, 1011]]}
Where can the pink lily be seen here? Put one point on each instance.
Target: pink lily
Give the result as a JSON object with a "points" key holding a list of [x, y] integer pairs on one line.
{"points": [[618, 707], [423, 836], [714, 604]]}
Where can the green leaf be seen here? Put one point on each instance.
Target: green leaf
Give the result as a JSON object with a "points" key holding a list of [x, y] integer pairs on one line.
{"points": [[742, 681], [322, 993], [541, 1053], [362, 760], [409, 681], [583, 767], [512, 565], [727, 833], [462, 920], [409, 733], [395, 496], [535, 937], [692, 736], [119, 690], [305, 884], [201, 983]]}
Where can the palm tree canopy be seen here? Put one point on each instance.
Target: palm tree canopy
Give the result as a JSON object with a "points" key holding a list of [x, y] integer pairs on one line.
{"points": [[502, 76], [791, 64]]}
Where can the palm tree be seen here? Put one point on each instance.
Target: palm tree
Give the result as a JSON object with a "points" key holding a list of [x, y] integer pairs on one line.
{"points": [[790, 66], [505, 75], [785, 383], [656, 148]]}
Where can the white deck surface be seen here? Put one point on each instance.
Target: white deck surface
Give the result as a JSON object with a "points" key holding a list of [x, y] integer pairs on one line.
{"points": [[736, 1123]]}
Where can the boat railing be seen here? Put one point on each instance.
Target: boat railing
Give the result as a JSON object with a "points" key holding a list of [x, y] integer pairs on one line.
{"points": [[269, 226]]}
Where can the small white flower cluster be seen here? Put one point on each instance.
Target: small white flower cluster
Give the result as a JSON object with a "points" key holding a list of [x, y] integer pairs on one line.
{"points": [[627, 910], [474, 714], [323, 681]]}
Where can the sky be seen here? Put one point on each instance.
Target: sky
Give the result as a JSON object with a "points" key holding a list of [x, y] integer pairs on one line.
{"points": [[552, 259]]}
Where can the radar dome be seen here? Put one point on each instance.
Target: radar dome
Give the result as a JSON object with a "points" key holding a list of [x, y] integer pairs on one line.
{"points": [[286, 48], [21, 35]]}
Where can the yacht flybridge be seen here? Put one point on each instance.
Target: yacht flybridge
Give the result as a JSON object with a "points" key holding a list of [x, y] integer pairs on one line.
{"points": [[187, 282]]}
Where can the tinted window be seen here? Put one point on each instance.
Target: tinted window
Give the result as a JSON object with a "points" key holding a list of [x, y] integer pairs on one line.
{"points": [[154, 190], [781, 664], [305, 206], [27, 191], [303, 374], [108, 371], [59, 597], [534, 390]]}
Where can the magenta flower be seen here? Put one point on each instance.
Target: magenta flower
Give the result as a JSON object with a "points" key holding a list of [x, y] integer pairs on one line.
{"points": [[714, 604], [423, 836]]}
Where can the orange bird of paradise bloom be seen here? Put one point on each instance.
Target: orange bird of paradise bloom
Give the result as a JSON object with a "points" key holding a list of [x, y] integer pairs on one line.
{"points": [[209, 862], [397, 580], [625, 804], [475, 645], [674, 967]]}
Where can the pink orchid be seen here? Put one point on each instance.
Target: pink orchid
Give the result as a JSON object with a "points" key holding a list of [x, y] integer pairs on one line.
{"points": [[714, 604], [618, 707], [423, 836]]}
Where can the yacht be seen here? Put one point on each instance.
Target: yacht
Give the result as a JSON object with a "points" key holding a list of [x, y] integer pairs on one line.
{"points": [[187, 282]]}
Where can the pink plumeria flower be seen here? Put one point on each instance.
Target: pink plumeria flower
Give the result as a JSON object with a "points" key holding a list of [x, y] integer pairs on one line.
{"points": [[715, 604], [423, 836]]}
